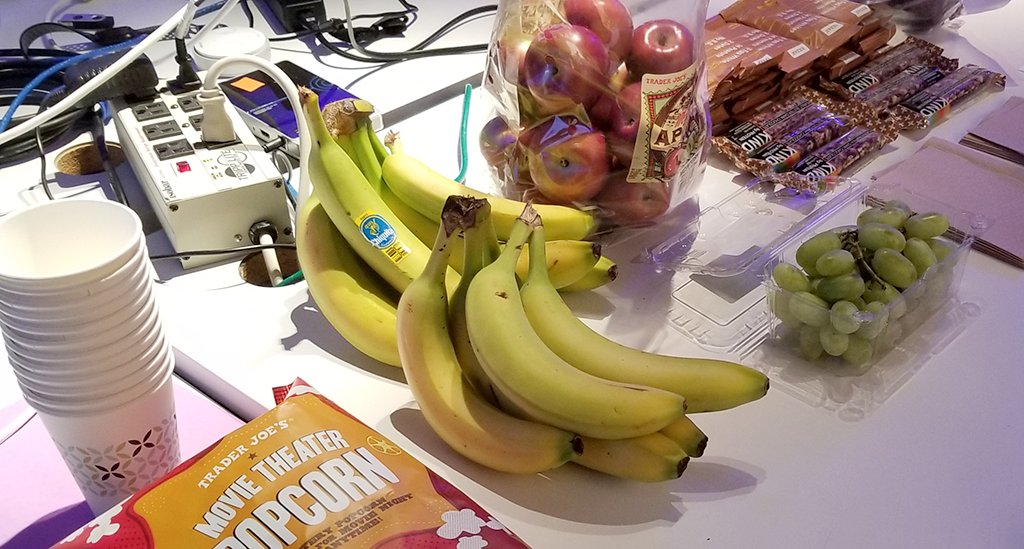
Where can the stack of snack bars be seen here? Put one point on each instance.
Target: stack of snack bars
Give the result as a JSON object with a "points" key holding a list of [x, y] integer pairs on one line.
{"points": [[810, 87]]}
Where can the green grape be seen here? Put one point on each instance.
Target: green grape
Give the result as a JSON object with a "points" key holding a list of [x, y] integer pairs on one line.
{"points": [[859, 302], [832, 341], [880, 291], [941, 248], [893, 217], [845, 286], [809, 309], [874, 236], [926, 225], [810, 343], [879, 317], [835, 262], [789, 277], [900, 205], [894, 268], [844, 317], [808, 253], [778, 303], [920, 254], [858, 351]]}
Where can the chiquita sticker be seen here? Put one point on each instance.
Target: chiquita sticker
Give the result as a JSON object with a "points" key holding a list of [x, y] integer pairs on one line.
{"points": [[378, 232]]}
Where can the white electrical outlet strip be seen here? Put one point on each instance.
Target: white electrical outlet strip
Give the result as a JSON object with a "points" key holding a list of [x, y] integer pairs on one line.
{"points": [[206, 196]]}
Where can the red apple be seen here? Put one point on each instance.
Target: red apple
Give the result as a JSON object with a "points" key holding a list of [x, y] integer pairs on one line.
{"points": [[662, 46], [497, 142], [566, 65], [632, 204], [510, 56], [567, 159], [608, 19], [624, 123]]}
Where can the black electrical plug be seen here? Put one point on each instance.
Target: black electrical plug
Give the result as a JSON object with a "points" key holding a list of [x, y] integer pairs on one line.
{"points": [[187, 79]]}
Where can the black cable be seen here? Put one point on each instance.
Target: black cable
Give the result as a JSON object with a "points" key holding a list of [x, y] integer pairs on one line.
{"points": [[43, 181], [100, 139], [222, 251], [244, 4], [417, 51]]}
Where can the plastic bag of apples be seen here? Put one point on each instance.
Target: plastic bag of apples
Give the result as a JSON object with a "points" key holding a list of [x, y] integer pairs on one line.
{"points": [[599, 104]]}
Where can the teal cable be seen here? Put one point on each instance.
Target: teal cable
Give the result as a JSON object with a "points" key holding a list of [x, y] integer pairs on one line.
{"points": [[463, 129], [294, 277]]}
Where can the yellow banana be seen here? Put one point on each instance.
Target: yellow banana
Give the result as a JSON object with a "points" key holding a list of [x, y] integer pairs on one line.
{"points": [[539, 382], [355, 300], [464, 420], [567, 260], [687, 435], [602, 273], [707, 384], [358, 212], [426, 190], [647, 458]]}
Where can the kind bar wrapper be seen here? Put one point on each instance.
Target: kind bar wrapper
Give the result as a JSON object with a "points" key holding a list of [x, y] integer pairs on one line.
{"points": [[894, 90], [784, 153], [304, 474], [934, 103], [841, 153], [759, 130], [911, 51]]}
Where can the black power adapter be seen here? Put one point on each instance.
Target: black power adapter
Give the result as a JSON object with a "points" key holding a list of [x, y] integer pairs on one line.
{"points": [[293, 14]]}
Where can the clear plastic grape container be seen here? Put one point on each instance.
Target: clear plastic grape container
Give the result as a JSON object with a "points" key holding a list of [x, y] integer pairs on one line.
{"points": [[860, 298]]}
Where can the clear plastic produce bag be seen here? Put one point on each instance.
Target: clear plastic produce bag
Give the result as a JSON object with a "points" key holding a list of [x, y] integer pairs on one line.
{"points": [[918, 15], [599, 104]]}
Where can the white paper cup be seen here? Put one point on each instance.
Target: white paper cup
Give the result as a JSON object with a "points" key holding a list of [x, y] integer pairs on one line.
{"points": [[76, 367], [117, 379], [136, 279], [71, 406], [66, 243], [115, 453], [118, 308], [97, 340], [114, 325]]}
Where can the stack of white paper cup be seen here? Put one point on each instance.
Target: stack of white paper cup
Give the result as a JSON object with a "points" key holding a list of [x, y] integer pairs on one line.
{"points": [[83, 334]]}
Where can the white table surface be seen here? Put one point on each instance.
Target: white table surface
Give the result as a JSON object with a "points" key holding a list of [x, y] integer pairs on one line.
{"points": [[935, 466]]}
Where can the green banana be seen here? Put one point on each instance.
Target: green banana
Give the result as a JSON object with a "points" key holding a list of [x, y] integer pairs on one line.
{"points": [[426, 190], [647, 458], [366, 222], [707, 384], [540, 383], [360, 305], [687, 435], [464, 420], [603, 272]]}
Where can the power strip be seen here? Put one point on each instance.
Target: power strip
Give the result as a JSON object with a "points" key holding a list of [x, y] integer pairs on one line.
{"points": [[206, 196]]}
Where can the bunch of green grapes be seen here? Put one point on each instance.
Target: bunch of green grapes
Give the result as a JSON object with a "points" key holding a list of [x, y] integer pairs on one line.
{"points": [[843, 273]]}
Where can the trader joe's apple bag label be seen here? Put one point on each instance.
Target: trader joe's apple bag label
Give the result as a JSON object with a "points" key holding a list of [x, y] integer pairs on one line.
{"points": [[673, 129], [305, 474]]}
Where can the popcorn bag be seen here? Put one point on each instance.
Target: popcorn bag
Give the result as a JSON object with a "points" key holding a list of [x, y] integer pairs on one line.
{"points": [[598, 104], [304, 474]]}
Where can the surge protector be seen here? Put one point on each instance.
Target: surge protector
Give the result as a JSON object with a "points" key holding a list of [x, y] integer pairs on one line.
{"points": [[206, 196]]}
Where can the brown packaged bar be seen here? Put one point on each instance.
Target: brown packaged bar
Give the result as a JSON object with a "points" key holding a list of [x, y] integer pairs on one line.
{"points": [[788, 54], [877, 39], [846, 62], [840, 153], [912, 51], [785, 152], [821, 34], [899, 87], [839, 10], [761, 129], [725, 58], [933, 103]]}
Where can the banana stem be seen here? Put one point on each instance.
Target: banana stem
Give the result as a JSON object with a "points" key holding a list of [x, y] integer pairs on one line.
{"points": [[394, 142]]}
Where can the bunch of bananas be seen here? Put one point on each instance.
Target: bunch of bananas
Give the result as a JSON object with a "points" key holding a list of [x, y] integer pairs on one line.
{"points": [[469, 305]]}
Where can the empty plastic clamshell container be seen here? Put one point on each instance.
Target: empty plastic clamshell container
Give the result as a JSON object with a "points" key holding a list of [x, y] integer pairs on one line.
{"points": [[724, 297]]}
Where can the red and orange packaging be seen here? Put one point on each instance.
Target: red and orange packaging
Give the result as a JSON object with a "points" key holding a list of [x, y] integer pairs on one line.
{"points": [[600, 105], [304, 474]]}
